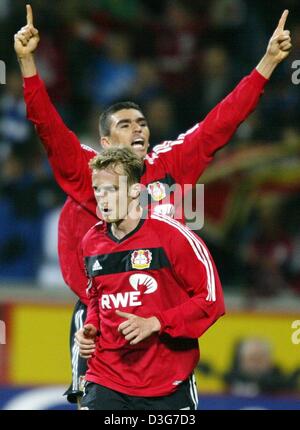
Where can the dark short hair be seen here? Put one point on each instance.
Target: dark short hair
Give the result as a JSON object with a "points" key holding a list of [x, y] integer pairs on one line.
{"points": [[119, 156], [105, 117]]}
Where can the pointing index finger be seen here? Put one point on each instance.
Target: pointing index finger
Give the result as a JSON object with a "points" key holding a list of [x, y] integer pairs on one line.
{"points": [[29, 14], [282, 21], [123, 314]]}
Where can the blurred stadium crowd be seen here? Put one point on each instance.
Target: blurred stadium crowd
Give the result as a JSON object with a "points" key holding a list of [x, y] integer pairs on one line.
{"points": [[177, 59]]}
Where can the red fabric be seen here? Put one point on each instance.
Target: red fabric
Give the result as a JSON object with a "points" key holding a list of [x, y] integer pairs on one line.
{"points": [[74, 222], [181, 161], [187, 303]]}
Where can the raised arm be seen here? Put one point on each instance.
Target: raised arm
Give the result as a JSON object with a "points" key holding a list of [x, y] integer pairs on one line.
{"points": [[189, 155], [69, 161]]}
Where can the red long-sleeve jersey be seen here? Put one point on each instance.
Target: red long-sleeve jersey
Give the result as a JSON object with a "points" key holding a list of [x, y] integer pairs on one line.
{"points": [[160, 269], [180, 161]]}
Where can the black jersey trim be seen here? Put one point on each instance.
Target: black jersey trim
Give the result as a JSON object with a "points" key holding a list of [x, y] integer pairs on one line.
{"points": [[167, 179], [124, 261], [140, 224]]}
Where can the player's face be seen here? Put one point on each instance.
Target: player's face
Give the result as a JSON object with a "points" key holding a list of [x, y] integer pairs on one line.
{"points": [[112, 193], [129, 128]]}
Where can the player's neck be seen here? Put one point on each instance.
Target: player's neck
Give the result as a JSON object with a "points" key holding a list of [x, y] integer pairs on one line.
{"points": [[125, 226]]}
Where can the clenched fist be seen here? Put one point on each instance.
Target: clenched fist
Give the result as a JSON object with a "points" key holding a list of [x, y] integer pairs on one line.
{"points": [[27, 39], [86, 340]]}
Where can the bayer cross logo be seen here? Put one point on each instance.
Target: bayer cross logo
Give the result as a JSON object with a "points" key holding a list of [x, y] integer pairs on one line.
{"points": [[141, 259], [157, 191]]}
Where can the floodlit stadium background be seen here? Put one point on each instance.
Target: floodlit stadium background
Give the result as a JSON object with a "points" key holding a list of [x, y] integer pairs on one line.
{"points": [[177, 61]]}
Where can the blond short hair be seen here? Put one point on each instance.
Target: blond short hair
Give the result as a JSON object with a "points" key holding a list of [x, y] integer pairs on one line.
{"points": [[119, 156]]}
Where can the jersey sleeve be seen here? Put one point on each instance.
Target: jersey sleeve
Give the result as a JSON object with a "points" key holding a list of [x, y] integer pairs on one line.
{"points": [[92, 316], [195, 271], [188, 156], [69, 161]]}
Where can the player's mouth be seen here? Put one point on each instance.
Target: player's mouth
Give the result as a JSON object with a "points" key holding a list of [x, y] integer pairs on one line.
{"points": [[106, 211], [138, 143]]}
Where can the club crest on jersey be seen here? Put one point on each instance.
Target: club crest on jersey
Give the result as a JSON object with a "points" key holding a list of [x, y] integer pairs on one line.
{"points": [[157, 191], [141, 259]]}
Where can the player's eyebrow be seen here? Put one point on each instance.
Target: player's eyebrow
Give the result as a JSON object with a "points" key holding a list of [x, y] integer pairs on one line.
{"points": [[123, 121], [128, 121]]}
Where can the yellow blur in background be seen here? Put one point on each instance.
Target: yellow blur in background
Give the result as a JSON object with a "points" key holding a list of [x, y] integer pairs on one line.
{"points": [[39, 339], [39, 342]]}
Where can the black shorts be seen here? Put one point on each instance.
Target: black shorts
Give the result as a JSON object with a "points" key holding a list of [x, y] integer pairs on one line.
{"points": [[78, 364], [97, 397]]}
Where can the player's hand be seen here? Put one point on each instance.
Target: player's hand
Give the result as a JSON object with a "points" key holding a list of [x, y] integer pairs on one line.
{"points": [[135, 328], [280, 44], [85, 338], [27, 39]]}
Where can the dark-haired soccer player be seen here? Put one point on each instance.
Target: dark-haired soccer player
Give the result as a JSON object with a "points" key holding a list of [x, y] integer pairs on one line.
{"points": [[149, 309], [180, 161]]}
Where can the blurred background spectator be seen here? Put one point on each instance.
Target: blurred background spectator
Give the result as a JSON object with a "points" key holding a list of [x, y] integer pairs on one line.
{"points": [[253, 371]]}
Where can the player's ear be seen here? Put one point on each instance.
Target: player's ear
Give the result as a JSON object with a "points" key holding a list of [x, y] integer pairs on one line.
{"points": [[135, 191], [105, 143]]}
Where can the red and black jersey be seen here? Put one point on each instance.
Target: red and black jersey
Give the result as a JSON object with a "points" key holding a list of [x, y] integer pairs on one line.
{"points": [[74, 222], [160, 269], [172, 164]]}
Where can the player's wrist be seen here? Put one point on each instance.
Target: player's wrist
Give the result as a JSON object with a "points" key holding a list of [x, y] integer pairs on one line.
{"points": [[156, 325], [270, 59], [25, 58], [267, 65], [27, 65]]}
